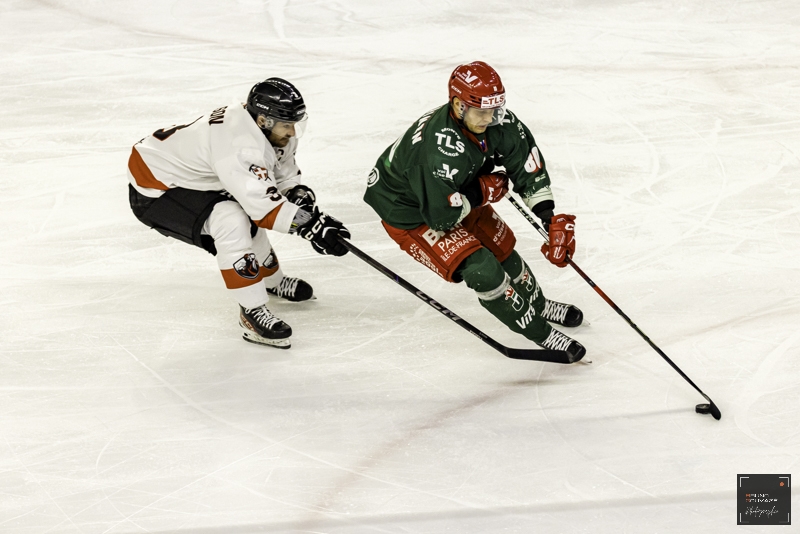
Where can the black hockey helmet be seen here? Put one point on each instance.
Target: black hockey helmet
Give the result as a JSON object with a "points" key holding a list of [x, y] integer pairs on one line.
{"points": [[277, 99]]}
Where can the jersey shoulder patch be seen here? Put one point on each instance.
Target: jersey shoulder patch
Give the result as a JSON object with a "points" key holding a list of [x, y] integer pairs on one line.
{"points": [[260, 172]]}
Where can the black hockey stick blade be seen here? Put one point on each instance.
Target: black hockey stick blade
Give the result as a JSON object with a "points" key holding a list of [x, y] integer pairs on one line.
{"points": [[539, 355], [710, 408]]}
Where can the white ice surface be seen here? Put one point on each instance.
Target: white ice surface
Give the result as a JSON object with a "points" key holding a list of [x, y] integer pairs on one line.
{"points": [[129, 403]]}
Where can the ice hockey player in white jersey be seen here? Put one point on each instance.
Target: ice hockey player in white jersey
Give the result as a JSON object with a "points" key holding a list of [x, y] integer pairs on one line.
{"points": [[221, 181]]}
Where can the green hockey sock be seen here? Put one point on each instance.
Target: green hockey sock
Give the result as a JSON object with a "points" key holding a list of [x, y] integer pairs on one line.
{"points": [[516, 310], [526, 283], [520, 308]]}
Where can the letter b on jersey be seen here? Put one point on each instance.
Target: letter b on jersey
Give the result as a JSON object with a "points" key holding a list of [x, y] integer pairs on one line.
{"points": [[432, 236]]}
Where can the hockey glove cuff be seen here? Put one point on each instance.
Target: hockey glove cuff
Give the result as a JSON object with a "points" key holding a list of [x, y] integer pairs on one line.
{"points": [[562, 240], [324, 231], [545, 216]]}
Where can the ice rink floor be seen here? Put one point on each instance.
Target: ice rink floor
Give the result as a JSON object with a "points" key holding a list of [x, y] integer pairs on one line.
{"points": [[130, 404]]}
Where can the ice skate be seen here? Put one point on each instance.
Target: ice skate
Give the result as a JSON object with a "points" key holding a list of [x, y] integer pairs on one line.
{"points": [[562, 314], [558, 341], [261, 326], [293, 289]]}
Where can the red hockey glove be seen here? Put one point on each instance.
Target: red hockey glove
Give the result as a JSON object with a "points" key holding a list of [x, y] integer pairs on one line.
{"points": [[494, 187], [562, 240]]}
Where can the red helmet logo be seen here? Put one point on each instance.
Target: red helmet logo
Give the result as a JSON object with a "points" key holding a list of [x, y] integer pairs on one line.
{"points": [[477, 85]]}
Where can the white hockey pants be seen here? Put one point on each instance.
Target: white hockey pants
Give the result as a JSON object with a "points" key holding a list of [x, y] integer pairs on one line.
{"points": [[248, 264]]}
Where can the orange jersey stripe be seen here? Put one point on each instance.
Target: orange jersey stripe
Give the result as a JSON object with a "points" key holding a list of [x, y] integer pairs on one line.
{"points": [[269, 220], [142, 174]]}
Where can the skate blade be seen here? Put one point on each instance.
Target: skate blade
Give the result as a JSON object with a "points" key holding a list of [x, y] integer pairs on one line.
{"points": [[313, 297], [258, 340]]}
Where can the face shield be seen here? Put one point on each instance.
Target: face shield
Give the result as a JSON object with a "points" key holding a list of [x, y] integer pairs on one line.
{"points": [[281, 129], [484, 117], [491, 112]]}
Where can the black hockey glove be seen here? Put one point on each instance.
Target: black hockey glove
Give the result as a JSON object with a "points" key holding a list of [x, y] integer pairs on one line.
{"points": [[323, 231], [303, 196]]}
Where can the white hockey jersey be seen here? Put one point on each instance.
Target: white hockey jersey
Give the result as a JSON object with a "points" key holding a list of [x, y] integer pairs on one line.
{"points": [[221, 151]]}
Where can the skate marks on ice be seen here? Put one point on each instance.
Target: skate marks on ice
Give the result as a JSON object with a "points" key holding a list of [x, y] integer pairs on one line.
{"points": [[546, 517], [756, 388], [353, 475]]}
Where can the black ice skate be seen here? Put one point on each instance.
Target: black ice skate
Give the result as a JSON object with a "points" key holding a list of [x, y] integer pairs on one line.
{"points": [[292, 289], [558, 341], [259, 325], [563, 314]]}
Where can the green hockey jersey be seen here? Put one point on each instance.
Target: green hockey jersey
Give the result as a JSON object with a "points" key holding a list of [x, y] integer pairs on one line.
{"points": [[420, 179]]}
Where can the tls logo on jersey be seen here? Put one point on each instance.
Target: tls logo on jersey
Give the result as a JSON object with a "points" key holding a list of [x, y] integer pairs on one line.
{"points": [[247, 266], [446, 140], [260, 172]]}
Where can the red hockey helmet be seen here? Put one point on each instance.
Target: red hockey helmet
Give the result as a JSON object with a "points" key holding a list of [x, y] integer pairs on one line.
{"points": [[477, 85]]}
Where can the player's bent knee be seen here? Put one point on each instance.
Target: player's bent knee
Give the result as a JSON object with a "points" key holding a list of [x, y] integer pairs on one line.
{"points": [[514, 265], [481, 271]]}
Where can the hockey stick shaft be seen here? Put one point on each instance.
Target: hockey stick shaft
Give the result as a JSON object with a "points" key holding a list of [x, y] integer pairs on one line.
{"points": [[553, 356], [606, 298]]}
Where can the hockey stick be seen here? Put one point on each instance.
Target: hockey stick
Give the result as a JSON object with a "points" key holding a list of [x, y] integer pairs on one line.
{"points": [[541, 355], [700, 408]]}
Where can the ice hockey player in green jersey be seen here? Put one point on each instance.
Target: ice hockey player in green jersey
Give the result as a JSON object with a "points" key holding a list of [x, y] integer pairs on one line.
{"points": [[433, 189]]}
